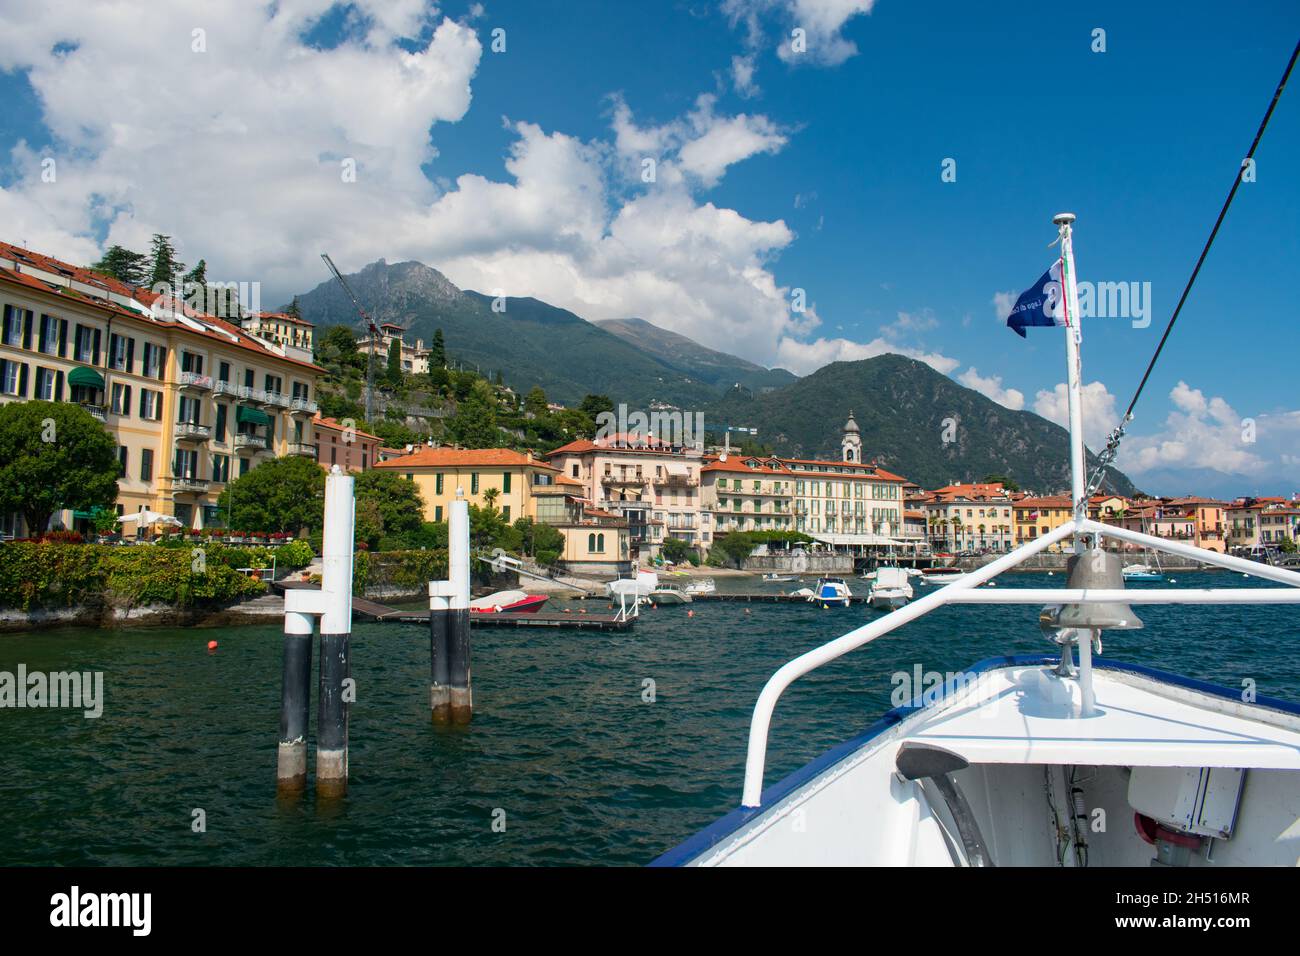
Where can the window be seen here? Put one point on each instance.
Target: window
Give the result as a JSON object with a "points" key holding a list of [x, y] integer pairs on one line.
{"points": [[473, 483], [575, 470], [191, 363], [155, 357], [244, 465], [146, 464], [222, 411], [220, 467], [437, 513], [186, 464], [248, 378], [437, 483], [150, 405], [189, 410], [120, 399], [117, 348], [83, 345], [505, 482], [224, 373], [121, 461], [49, 337], [14, 324], [505, 512], [11, 377], [591, 542], [46, 385]]}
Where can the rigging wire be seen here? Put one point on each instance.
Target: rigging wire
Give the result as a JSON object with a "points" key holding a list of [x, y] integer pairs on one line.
{"points": [[1107, 456]]}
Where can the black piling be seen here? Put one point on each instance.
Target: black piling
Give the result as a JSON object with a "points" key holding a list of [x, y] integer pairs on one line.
{"points": [[440, 665], [332, 716], [295, 703], [462, 693]]}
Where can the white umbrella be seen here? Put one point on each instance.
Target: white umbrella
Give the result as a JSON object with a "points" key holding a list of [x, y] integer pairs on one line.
{"points": [[150, 517]]}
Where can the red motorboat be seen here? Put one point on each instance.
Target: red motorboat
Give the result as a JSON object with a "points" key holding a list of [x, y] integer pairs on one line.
{"points": [[507, 602]]}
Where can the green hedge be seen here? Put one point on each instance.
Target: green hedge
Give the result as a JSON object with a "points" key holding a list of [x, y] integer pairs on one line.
{"points": [[50, 575], [398, 569]]}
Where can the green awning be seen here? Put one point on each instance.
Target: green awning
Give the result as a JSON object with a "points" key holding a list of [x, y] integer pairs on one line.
{"points": [[85, 376], [253, 416]]}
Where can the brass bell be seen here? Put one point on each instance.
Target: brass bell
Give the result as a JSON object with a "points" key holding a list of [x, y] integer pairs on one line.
{"points": [[1097, 569]]}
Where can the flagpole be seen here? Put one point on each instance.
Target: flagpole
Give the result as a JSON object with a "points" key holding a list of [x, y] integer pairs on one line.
{"points": [[1074, 374]]}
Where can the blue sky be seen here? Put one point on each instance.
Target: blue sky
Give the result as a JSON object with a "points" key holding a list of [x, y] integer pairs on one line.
{"points": [[818, 171]]}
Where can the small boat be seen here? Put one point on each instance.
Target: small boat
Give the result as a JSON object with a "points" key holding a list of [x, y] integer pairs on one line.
{"points": [[667, 594], [890, 589], [941, 575], [773, 576], [507, 602], [803, 593], [1141, 572], [637, 587], [832, 591], [702, 586]]}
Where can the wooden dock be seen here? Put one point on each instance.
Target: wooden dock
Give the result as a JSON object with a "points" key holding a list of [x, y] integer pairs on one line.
{"points": [[581, 620]]}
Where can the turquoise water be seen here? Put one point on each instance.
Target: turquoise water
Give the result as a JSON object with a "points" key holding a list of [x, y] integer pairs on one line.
{"points": [[585, 771]]}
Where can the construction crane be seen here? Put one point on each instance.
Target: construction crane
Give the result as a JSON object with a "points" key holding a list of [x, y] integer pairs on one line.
{"points": [[374, 336]]}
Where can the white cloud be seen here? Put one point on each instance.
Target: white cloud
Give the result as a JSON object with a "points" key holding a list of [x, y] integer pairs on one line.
{"points": [[1208, 433], [804, 357], [742, 76], [1003, 303], [1099, 414], [990, 386], [821, 20]]}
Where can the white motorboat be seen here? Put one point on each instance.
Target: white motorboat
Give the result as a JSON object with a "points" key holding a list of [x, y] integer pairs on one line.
{"points": [[667, 594], [1058, 759], [890, 589], [772, 576], [832, 592], [1142, 572], [702, 586], [941, 576]]}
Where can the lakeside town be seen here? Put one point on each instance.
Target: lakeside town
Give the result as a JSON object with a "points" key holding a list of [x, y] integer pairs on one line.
{"points": [[194, 404]]}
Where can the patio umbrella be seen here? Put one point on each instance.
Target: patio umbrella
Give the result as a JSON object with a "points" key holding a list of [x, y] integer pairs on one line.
{"points": [[147, 517]]}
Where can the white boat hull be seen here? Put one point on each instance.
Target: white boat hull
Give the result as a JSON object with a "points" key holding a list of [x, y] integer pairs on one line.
{"points": [[1017, 725]]}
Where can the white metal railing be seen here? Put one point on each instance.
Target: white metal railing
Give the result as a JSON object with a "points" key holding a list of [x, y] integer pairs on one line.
{"points": [[964, 591]]}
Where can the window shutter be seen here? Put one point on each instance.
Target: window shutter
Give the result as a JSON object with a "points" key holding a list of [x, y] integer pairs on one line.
{"points": [[94, 350], [58, 386], [22, 380], [63, 338], [144, 393], [113, 338], [130, 356], [28, 319], [41, 340], [126, 401], [162, 362]]}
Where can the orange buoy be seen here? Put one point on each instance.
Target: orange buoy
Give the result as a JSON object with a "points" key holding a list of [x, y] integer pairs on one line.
{"points": [[690, 613], [212, 645]]}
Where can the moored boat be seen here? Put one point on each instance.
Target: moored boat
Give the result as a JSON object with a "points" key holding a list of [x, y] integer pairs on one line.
{"points": [[832, 592], [667, 594], [941, 575], [702, 586], [890, 589], [507, 602]]}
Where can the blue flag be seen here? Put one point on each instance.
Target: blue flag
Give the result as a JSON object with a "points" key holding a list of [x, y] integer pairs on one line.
{"points": [[1041, 305]]}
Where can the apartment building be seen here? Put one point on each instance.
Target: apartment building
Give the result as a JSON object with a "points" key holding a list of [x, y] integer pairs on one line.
{"points": [[1039, 515], [343, 444], [519, 485], [415, 358], [972, 516], [1254, 523], [192, 400], [652, 485], [290, 331]]}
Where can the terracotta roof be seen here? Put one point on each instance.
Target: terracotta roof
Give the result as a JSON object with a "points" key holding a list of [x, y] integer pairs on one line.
{"points": [[222, 330], [464, 457], [320, 420], [1046, 501], [740, 468], [565, 480]]}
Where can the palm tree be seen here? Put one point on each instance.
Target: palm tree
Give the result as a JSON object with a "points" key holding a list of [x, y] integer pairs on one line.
{"points": [[490, 498]]}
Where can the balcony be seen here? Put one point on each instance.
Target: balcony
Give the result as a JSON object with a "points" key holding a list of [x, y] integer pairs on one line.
{"points": [[97, 411], [301, 448], [253, 443], [303, 406], [254, 395], [680, 481], [278, 399], [195, 382], [225, 388], [629, 481], [192, 431], [184, 484]]}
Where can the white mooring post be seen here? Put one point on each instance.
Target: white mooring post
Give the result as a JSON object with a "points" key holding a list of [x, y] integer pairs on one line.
{"points": [[333, 605], [451, 697]]}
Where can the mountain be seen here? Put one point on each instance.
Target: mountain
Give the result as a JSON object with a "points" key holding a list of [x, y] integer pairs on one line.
{"points": [[686, 355], [905, 410], [530, 342]]}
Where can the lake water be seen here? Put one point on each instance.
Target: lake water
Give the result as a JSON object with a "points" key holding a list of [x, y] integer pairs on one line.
{"points": [[585, 771]]}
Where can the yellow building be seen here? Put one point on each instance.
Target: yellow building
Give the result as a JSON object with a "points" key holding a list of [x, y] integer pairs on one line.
{"points": [[415, 358], [291, 331], [1036, 517], [518, 485], [192, 400]]}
